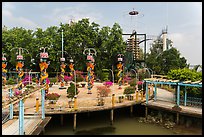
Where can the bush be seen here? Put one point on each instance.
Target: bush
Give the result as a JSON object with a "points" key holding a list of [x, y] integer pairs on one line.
{"points": [[103, 91], [129, 90], [71, 91], [132, 83], [52, 96], [79, 79], [11, 81], [52, 80], [105, 75]]}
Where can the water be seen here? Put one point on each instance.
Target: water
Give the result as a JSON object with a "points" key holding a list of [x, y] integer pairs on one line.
{"points": [[98, 123]]}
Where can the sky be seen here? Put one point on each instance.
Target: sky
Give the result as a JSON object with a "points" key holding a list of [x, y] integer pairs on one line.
{"points": [[184, 19]]}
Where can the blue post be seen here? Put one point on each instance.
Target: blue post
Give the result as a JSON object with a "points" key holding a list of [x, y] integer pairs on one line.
{"points": [[146, 92], [43, 103], [185, 96], [178, 94], [11, 105], [21, 117], [155, 92]]}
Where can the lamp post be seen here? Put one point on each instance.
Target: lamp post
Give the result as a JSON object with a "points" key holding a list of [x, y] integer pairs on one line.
{"points": [[135, 77], [29, 77], [90, 67], [112, 76]]}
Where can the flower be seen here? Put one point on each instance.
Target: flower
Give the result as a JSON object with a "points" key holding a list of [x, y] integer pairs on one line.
{"points": [[108, 83], [140, 82]]}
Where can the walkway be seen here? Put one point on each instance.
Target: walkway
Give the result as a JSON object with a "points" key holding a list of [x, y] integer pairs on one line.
{"points": [[165, 101]]}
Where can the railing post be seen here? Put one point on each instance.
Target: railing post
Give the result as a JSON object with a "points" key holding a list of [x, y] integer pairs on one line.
{"points": [[185, 96], [146, 93], [37, 105], [21, 117], [178, 94], [11, 105], [43, 103], [155, 92]]}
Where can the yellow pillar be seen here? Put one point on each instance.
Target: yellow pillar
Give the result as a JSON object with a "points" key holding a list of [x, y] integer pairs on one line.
{"points": [[136, 97], [141, 95], [37, 105], [113, 100], [75, 102]]}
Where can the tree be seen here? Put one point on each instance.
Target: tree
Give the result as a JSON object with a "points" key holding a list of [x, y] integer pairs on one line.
{"points": [[162, 61], [186, 74]]}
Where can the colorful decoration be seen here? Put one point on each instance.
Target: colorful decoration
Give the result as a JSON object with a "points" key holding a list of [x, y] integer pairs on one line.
{"points": [[43, 67], [120, 69], [4, 71], [71, 66], [90, 67], [62, 67], [19, 69]]}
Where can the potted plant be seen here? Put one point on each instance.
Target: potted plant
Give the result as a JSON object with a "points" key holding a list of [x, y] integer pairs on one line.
{"points": [[71, 93], [128, 91], [120, 99], [103, 91], [52, 97], [83, 84]]}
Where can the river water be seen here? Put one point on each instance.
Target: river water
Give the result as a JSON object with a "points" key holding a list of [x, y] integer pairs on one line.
{"points": [[98, 123]]}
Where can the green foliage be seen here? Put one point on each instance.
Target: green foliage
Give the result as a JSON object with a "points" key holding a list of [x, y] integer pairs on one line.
{"points": [[186, 74], [107, 41], [105, 75], [79, 79], [163, 61], [133, 82], [129, 90], [71, 91], [10, 81], [52, 80], [52, 96]]}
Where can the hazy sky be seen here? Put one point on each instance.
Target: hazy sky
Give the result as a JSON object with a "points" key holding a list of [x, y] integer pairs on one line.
{"points": [[184, 19]]}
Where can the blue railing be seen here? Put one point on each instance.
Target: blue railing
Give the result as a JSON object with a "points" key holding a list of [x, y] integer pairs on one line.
{"points": [[191, 101]]}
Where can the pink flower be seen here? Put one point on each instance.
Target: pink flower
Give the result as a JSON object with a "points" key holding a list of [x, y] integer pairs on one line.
{"points": [[139, 82]]}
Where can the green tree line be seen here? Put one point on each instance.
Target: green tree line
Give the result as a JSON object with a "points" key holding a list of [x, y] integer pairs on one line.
{"points": [[77, 36]]}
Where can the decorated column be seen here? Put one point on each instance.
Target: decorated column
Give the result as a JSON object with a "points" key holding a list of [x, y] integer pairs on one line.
{"points": [[62, 67], [71, 66], [90, 67], [4, 71], [120, 70], [43, 67], [19, 69]]}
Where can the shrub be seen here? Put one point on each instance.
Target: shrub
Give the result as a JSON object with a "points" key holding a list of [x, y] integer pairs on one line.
{"points": [[79, 79], [132, 83], [103, 91], [127, 79], [11, 81], [129, 90], [71, 91], [52, 96]]}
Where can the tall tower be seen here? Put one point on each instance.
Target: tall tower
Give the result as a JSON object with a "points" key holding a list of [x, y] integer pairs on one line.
{"points": [[133, 47], [164, 35]]}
